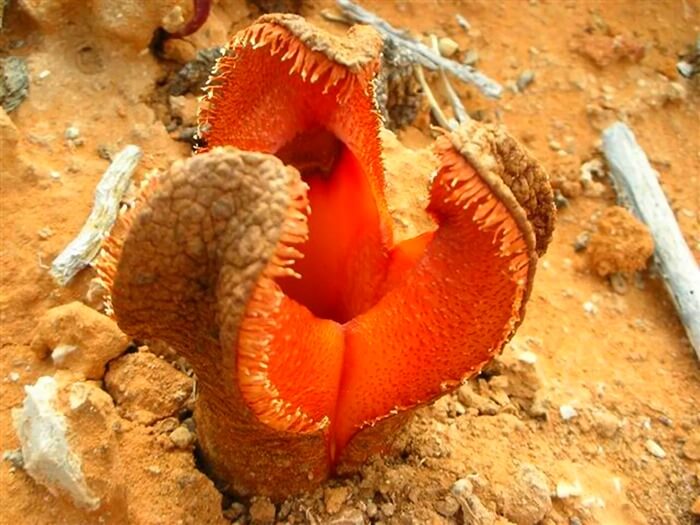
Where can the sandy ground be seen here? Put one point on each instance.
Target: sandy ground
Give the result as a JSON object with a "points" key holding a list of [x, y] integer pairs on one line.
{"points": [[590, 416]]}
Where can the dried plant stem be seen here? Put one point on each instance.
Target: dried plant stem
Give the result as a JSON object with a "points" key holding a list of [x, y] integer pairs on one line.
{"points": [[421, 53], [457, 107], [432, 102], [108, 194]]}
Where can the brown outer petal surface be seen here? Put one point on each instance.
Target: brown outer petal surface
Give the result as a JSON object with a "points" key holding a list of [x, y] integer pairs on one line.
{"points": [[496, 155], [183, 268]]}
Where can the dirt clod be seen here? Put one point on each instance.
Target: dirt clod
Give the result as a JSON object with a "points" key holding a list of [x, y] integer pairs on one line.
{"points": [[603, 50], [79, 339], [528, 499], [262, 512], [334, 497], [146, 388], [14, 82], [620, 243], [606, 424]]}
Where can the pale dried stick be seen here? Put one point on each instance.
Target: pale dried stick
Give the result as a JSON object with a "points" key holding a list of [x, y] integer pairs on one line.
{"points": [[457, 107], [637, 188], [421, 53], [432, 101], [105, 209]]}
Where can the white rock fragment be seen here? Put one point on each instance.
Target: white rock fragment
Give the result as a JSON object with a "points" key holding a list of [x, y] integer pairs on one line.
{"points": [[568, 490], [593, 502], [527, 357], [590, 308], [567, 412], [60, 353], [14, 457], [71, 133], [48, 458], [590, 170], [617, 483], [463, 22], [13, 376], [461, 486], [655, 449]]}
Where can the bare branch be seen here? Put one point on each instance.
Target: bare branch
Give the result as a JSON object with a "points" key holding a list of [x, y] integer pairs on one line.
{"points": [[108, 194], [421, 53], [432, 101], [460, 113], [637, 188]]}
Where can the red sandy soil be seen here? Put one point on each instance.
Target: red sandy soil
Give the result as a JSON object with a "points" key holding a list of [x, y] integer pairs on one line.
{"points": [[499, 450]]}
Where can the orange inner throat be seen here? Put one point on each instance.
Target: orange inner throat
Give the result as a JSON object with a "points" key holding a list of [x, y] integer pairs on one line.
{"points": [[334, 283]]}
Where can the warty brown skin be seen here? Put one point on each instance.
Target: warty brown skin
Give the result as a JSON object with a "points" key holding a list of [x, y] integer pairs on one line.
{"points": [[217, 218]]}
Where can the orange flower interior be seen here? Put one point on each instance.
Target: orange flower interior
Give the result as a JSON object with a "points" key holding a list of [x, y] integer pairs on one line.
{"points": [[365, 327]]}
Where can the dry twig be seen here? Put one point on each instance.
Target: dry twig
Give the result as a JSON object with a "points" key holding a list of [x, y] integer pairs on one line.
{"points": [[637, 188], [421, 53], [108, 194], [457, 106]]}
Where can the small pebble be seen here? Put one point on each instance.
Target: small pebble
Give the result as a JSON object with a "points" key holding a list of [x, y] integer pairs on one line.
{"points": [[334, 498], [153, 469], [103, 152], [591, 169], [447, 46], [71, 133], [606, 424], [560, 201], [235, 511], [525, 79], [44, 74], [471, 57], [581, 241], [45, 233], [387, 509], [13, 376], [181, 437], [666, 421], [55, 175], [655, 449], [14, 457], [347, 517], [617, 483], [372, 509], [567, 412], [527, 357], [590, 308], [463, 22], [618, 282], [554, 145], [568, 490]]}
